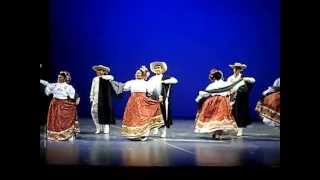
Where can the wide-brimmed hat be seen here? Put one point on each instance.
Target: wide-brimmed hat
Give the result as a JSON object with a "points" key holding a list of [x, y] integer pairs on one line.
{"points": [[238, 65], [101, 67], [158, 63]]}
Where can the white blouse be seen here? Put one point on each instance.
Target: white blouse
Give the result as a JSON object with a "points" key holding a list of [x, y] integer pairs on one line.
{"points": [[217, 84], [60, 90], [137, 85], [233, 79], [214, 85], [94, 92], [276, 83]]}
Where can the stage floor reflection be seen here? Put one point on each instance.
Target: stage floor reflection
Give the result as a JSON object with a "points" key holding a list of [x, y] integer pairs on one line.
{"points": [[260, 146]]}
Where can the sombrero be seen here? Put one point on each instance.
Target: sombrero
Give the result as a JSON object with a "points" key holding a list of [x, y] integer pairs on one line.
{"points": [[101, 67], [237, 64], [158, 63]]}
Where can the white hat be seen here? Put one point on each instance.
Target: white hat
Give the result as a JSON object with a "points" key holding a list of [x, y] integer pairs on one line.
{"points": [[237, 64], [158, 63], [101, 67]]}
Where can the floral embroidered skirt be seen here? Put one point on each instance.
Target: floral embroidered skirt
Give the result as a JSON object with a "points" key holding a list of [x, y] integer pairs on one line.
{"points": [[141, 115], [215, 115], [61, 120], [269, 108]]}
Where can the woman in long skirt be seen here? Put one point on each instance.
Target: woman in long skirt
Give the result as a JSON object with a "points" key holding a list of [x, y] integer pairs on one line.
{"points": [[142, 113], [76, 100], [214, 114], [62, 110], [269, 105]]}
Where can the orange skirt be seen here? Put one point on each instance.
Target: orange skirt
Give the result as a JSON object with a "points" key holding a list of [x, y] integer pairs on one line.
{"points": [[61, 119], [141, 115], [269, 107], [215, 114]]}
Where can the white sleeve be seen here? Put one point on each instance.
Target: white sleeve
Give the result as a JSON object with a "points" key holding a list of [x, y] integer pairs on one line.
{"points": [[92, 90], [249, 79], [107, 77], [210, 87], [127, 86], [267, 91], [78, 101], [277, 83], [49, 88], [45, 83], [204, 94], [201, 95], [71, 91], [237, 86], [171, 80], [198, 98]]}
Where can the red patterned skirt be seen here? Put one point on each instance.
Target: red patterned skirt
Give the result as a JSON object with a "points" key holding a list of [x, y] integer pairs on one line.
{"points": [[215, 115], [269, 107], [141, 115], [61, 120]]}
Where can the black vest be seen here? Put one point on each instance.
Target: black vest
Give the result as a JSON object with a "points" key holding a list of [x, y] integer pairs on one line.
{"points": [[105, 108]]}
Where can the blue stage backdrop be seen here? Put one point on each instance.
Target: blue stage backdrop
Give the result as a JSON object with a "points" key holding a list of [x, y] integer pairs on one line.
{"points": [[192, 36]]}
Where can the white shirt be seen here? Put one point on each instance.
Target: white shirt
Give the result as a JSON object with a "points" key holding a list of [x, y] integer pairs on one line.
{"points": [[233, 78], [137, 85], [94, 92], [156, 84], [60, 90]]}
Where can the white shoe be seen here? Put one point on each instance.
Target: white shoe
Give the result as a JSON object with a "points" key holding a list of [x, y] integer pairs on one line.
{"points": [[268, 122], [144, 138], [97, 131], [71, 139], [164, 132], [155, 131], [217, 137], [240, 132], [106, 129]]}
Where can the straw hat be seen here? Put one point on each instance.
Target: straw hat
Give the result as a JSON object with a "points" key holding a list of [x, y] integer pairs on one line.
{"points": [[158, 63], [101, 67], [239, 65]]}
